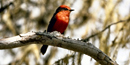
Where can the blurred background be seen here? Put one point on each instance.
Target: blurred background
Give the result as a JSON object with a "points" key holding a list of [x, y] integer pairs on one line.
{"points": [[89, 17]]}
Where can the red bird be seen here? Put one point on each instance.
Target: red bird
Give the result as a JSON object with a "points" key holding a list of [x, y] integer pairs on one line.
{"points": [[59, 22]]}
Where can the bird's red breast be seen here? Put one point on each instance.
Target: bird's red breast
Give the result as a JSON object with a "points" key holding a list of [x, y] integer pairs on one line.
{"points": [[62, 20]]}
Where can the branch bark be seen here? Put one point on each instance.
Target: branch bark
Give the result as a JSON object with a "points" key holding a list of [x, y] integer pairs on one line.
{"points": [[56, 39]]}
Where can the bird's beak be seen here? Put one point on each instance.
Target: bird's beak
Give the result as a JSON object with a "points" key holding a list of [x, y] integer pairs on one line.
{"points": [[71, 10]]}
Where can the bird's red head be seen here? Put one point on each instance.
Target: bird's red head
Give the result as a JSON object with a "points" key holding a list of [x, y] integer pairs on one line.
{"points": [[64, 8]]}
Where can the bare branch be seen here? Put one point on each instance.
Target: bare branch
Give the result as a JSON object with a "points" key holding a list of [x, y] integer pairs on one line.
{"points": [[103, 30], [56, 39]]}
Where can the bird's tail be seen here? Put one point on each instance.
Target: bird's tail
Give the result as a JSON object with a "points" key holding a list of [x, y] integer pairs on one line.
{"points": [[43, 49]]}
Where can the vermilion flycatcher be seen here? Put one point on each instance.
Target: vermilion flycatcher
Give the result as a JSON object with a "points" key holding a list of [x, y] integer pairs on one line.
{"points": [[59, 22]]}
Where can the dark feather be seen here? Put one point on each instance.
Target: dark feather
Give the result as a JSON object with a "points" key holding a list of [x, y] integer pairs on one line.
{"points": [[49, 29], [51, 24]]}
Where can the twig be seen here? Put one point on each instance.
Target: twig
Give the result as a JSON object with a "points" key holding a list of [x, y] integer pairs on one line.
{"points": [[66, 57], [59, 41], [5, 7], [87, 39]]}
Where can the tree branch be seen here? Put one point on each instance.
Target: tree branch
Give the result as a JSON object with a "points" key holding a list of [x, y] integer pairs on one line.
{"points": [[5, 7], [56, 39], [87, 39]]}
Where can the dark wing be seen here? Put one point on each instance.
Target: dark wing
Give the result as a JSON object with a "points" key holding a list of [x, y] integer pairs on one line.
{"points": [[51, 24], [49, 29]]}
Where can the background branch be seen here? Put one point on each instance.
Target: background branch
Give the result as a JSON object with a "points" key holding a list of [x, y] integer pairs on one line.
{"points": [[87, 39], [5, 7]]}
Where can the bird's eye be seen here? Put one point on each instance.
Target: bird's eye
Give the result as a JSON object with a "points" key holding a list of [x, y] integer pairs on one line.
{"points": [[65, 9]]}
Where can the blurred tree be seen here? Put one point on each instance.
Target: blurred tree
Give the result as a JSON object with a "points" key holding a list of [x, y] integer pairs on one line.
{"points": [[90, 17]]}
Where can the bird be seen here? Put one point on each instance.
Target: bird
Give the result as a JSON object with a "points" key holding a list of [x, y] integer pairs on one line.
{"points": [[58, 22]]}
